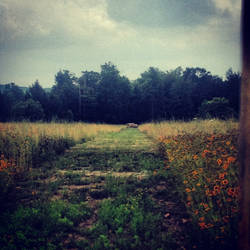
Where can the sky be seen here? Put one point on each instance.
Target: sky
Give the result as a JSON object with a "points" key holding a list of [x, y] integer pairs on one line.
{"points": [[40, 37]]}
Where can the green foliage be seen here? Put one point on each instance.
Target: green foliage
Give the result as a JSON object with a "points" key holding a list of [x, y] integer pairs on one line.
{"points": [[109, 97], [27, 110], [48, 147], [216, 108], [41, 227], [128, 223]]}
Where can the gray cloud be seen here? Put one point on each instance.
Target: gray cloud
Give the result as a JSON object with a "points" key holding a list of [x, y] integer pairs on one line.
{"points": [[37, 38], [162, 13]]}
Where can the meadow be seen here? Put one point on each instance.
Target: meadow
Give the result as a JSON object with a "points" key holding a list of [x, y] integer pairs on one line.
{"points": [[168, 185]]}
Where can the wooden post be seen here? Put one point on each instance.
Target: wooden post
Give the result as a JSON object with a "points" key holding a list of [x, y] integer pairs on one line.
{"points": [[244, 227]]}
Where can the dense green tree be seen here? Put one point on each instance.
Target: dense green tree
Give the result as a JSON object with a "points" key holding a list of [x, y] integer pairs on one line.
{"points": [[37, 93], [89, 90], [113, 95], [216, 108], [27, 110], [232, 90], [64, 95], [12, 95], [109, 97]]}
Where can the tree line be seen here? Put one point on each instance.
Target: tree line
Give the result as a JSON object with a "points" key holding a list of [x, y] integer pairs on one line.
{"points": [[108, 97]]}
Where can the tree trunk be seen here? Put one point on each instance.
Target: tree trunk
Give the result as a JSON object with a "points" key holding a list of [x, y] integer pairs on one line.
{"points": [[244, 227]]}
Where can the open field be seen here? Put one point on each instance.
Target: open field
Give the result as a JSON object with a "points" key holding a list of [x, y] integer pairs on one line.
{"points": [[170, 188]]}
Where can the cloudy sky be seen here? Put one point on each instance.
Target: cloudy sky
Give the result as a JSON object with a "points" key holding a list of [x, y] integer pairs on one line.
{"points": [[40, 37]]}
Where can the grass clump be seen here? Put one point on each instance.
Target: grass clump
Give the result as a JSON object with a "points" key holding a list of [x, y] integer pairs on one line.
{"points": [[40, 227], [128, 223]]}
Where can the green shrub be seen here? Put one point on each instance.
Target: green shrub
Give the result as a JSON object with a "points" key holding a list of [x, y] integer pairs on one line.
{"points": [[48, 147], [128, 223], [216, 108], [41, 227]]}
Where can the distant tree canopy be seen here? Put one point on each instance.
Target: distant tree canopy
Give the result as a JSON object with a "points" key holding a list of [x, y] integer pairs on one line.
{"points": [[111, 98]]}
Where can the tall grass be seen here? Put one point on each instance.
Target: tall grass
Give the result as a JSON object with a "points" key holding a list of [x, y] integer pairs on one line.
{"points": [[26, 145], [173, 128], [75, 131]]}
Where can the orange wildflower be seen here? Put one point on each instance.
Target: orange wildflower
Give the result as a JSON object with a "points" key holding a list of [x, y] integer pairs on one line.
{"points": [[188, 190], [219, 161], [195, 157], [224, 182], [204, 153], [225, 166], [201, 219], [185, 182], [209, 225], [231, 191], [222, 176], [217, 188], [202, 225], [231, 159], [194, 172]]}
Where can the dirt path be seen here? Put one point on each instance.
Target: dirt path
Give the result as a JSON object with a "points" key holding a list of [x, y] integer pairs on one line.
{"points": [[111, 163]]}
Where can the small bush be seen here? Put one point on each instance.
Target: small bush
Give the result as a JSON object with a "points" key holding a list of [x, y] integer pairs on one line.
{"points": [[48, 147], [41, 227], [128, 223]]}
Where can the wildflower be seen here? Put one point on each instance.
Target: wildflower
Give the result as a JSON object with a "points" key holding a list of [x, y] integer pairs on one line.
{"points": [[194, 172], [204, 153], [189, 198], [196, 211], [195, 157], [224, 182], [185, 182], [202, 225], [231, 159], [188, 190], [219, 161], [188, 204], [216, 188], [201, 219], [228, 143], [209, 225], [209, 193], [222, 176], [231, 191], [225, 166], [198, 184]]}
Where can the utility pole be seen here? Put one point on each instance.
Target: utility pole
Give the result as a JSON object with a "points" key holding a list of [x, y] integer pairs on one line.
{"points": [[82, 87]]}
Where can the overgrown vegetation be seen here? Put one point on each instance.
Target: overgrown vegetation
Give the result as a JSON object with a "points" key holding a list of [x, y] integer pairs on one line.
{"points": [[175, 187], [207, 180]]}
